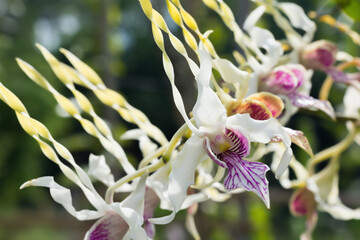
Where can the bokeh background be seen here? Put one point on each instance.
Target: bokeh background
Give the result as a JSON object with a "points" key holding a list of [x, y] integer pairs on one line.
{"points": [[114, 37]]}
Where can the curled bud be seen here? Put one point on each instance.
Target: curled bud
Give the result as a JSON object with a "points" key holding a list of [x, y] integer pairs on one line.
{"points": [[319, 55]]}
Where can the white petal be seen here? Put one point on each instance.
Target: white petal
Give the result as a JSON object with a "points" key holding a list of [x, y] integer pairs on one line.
{"points": [[182, 175], [99, 169], [133, 219], [265, 39], [135, 200], [325, 186], [62, 196], [209, 113], [146, 145], [159, 182], [232, 74], [263, 132], [299, 19], [253, 17], [352, 102]]}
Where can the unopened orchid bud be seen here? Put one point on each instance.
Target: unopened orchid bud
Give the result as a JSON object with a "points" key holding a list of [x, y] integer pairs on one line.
{"points": [[302, 203], [319, 55], [284, 79]]}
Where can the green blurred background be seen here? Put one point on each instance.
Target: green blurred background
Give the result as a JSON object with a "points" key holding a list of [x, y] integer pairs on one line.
{"points": [[114, 37]]}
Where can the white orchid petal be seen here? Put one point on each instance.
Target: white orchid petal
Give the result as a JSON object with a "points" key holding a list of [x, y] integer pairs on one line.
{"points": [[209, 113], [159, 182], [99, 169], [253, 17], [135, 200], [146, 145], [182, 175], [62, 196], [232, 74], [133, 219], [263, 131], [265, 39], [299, 19], [325, 186], [194, 198]]}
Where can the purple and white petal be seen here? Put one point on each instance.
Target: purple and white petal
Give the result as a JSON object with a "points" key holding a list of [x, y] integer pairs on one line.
{"points": [[247, 175], [241, 144], [303, 101], [211, 154], [110, 227], [263, 132]]}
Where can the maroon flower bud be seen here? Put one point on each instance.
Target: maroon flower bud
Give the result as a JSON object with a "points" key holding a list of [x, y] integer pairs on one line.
{"points": [[319, 55]]}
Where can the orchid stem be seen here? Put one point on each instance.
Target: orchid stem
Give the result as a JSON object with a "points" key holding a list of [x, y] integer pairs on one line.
{"points": [[334, 150], [173, 142], [147, 160], [111, 190]]}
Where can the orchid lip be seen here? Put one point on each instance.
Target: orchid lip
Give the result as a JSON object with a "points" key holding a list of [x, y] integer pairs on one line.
{"points": [[241, 173]]}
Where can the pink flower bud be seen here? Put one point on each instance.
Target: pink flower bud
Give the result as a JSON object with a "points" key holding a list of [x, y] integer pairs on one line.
{"points": [[284, 79], [302, 203], [319, 55]]}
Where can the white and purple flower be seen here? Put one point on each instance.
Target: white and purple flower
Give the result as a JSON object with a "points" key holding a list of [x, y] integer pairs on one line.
{"points": [[224, 139]]}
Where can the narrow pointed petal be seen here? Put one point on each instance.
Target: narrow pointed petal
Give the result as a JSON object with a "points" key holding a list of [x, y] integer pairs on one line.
{"points": [[272, 102], [62, 196], [303, 101], [209, 113], [299, 138], [247, 175], [253, 17]]}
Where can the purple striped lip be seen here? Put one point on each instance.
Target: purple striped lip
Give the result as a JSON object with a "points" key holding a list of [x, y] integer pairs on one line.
{"points": [[241, 173]]}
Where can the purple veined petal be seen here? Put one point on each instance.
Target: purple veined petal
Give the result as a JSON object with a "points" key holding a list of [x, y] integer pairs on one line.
{"points": [[247, 175], [311, 103], [241, 144], [110, 227], [338, 76]]}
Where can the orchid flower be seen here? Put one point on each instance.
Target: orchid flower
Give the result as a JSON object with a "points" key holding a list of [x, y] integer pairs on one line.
{"points": [[226, 140], [315, 192], [116, 220], [321, 55], [292, 82]]}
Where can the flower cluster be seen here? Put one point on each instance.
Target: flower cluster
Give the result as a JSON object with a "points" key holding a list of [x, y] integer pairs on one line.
{"points": [[240, 114]]}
